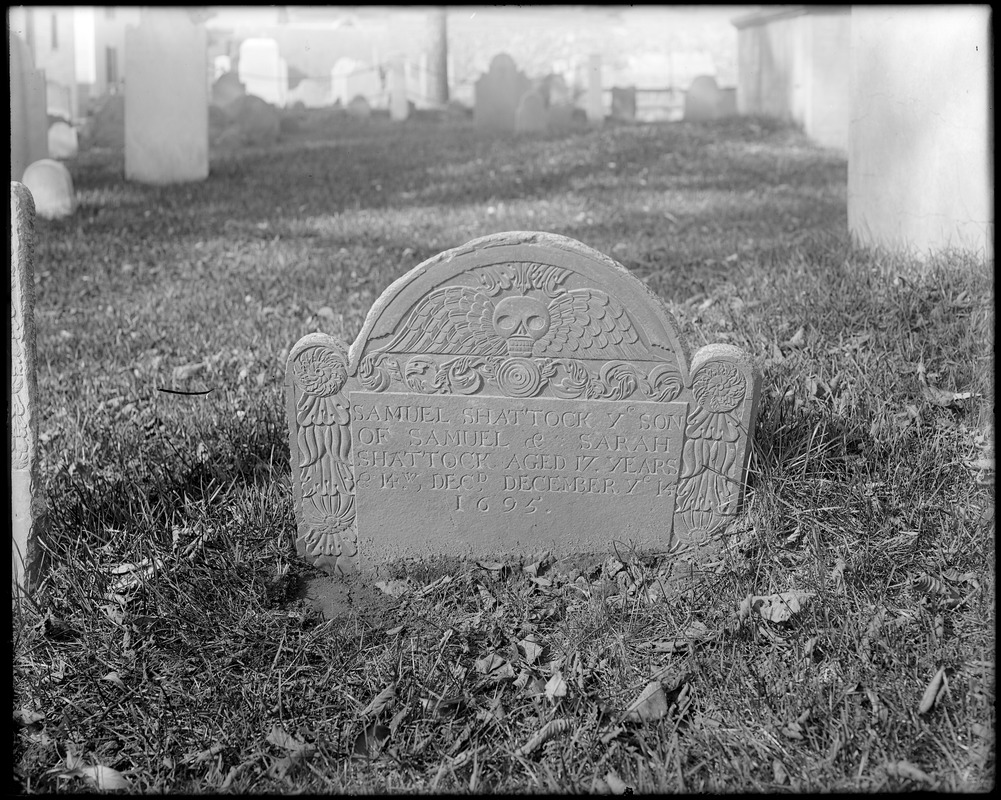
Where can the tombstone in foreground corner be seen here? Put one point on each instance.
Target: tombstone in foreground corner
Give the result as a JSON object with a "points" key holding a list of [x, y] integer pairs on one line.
{"points": [[519, 393], [25, 500]]}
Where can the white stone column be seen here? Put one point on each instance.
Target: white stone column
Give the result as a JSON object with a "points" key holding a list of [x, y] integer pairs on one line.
{"points": [[166, 99], [920, 152]]}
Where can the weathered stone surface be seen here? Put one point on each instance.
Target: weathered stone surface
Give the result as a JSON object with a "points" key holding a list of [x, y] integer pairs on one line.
{"points": [[51, 188], [25, 488], [519, 393], [531, 116], [702, 100], [497, 94]]}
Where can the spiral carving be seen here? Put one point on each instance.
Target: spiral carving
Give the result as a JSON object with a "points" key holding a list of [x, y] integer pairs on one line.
{"points": [[519, 377], [319, 372]]}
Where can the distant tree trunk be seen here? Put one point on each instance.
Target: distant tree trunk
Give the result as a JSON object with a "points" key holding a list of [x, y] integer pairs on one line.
{"points": [[437, 57]]}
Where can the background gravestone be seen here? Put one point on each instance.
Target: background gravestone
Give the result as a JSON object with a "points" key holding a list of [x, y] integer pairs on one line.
{"points": [[227, 89], [28, 118], [166, 99], [51, 189], [260, 71], [560, 101], [531, 116], [25, 481], [359, 107], [63, 142], [497, 94], [595, 100], [702, 100], [520, 393], [107, 128], [399, 105], [624, 103]]}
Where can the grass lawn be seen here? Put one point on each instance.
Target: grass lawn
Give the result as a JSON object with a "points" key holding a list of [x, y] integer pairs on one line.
{"points": [[169, 647]]}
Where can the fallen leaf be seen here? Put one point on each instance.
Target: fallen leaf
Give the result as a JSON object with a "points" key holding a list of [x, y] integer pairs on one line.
{"points": [[533, 650], [556, 686], [187, 371], [932, 691], [779, 772], [27, 718], [775, 607], [615, 783], [105, 778], [115, 678], [543, 735], [905, 769], [651, 704], [371, 740], [797, 339], [393, 588], [380, 702], [944, 397]]}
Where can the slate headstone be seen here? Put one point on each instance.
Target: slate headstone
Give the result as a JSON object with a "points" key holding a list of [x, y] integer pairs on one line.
{"points": [[227, 89], [25, 481], [63, 141], [497, 94], [531, 116], [624, 103], [252, 122], [359, 107], [560, 103], [108, 126], [522, 392], [51, 188], [728, 102], [166, 99], [702, 100]]}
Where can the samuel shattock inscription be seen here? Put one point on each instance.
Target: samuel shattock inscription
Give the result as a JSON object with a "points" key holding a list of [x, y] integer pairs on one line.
{"points": [[518, 393]]}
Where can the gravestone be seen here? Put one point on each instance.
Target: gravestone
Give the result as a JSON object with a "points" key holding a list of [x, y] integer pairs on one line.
{"points": [[51, 189], [531, 116], [702, 100], [166, 99], [227, 89], [498, 93], [624, 103], [252, 121], [560, 103], [311, 92], [728, 102], [399, 105], [595, 101], [522, 392], [63, 142], [25, 480], [359, 107], [28, 118], [350, 78], [108, 127], [259, 69]]}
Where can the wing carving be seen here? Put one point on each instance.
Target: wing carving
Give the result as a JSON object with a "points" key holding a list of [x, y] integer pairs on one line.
{"points": [[455, 320], [591, 324]]}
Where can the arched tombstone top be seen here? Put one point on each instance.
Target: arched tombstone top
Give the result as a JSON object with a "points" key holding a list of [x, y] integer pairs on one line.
{"points": [[545, 265], [502, 63], [520, 392], [51, 187]]}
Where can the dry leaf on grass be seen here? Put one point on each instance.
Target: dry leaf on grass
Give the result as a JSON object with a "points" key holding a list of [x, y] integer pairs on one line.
{"points": [[615, 783], [370, 741], [380, 702], [905, 769], [650, 705], [543, 735], [556, 686], [775, 607], [944, 397], [933, 691]]}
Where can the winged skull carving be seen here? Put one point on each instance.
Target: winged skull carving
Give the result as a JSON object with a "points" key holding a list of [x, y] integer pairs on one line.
{"points": [[462, 320]]}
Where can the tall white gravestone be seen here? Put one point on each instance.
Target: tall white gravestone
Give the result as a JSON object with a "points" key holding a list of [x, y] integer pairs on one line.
{"points": [[595, 103], [28, 119], [920, 149], [166, 99], [260, 70], [25, 501]]}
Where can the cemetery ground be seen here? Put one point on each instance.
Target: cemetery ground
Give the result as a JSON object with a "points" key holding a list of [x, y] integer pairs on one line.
{"points": [[843, 637]]}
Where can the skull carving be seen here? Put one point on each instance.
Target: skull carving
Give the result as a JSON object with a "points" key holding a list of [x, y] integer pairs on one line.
{"points": [[522, 321]]}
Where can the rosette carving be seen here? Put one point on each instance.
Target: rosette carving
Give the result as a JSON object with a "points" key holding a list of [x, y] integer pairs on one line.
{"points": [[518, 377], [719, 386]]}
